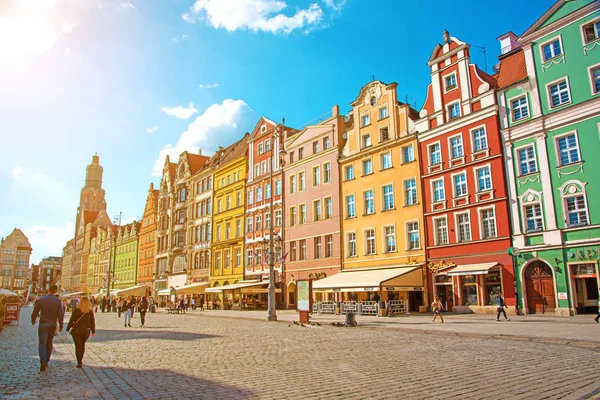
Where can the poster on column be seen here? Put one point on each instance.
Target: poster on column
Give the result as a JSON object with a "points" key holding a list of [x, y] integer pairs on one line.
{"points": [[303, 288]]}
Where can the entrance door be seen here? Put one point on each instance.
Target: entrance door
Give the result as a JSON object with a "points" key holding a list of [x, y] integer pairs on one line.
{"points": [[539, 284], [446, 297]]}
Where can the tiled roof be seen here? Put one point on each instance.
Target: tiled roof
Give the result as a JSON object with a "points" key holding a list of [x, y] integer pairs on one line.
{"points": [[235, 150], [196, 162], [172, 169], [512, 69]]}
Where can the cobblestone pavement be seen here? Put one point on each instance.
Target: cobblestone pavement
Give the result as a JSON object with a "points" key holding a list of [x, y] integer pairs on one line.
{"points": [[198, 356]]}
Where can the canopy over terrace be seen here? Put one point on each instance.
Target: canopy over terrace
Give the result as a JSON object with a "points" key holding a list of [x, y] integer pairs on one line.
{"points": [[472, 269], [243, 286], [6, 292], [194, 288], [139, 290], [405, 278]]}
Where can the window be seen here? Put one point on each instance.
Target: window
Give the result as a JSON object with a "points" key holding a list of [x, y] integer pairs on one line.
{"points": [[365, 120], [441, 231], [267, 145], [410, 187], [435, 154], [238, 257], [388, 197], [327, 173], [369, 241], [519, 108], [218, 260], [238, 199], [454, 111], [267, 220], [488, 223], [315, 147], [456, 147], [414, 240], [469, 290], [317, 210], [318, 248], [383, 113], [278, 217], [316, 176], [293, 184], [576, 210], [450, 82], [302, 216], [366, 140], [227, 230], [326, 144], [292, 156], [552, 49], [369, 202], [438, 191], [235, 176], [408, 154], [464, 227], [260, 148], [228, 201], [533, 214], [568, 149], [292, 216], [390, 239], [328, 207], [367, 167], [351, 244], [268, 191], [595, 76], [219, 205], [384, 134], [259, 194], [479, 139], [257, 170], [258, 224], [386, 160], [591, 32], [227, 259], [300, 153], [484, 179], [303, 249], [460, 185], [302, 180], [293, 251], [559, 93], [527, 162], [238, 228], [349, 172], [350, 207]]}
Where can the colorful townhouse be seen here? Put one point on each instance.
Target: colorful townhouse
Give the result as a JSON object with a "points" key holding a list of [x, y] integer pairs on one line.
{"points": [[200, 222], [227, 266], [126, 258], [549, 97], [67, 261], [147, 240], [383, 255], [464, 185], [92, 267], [164, 230], [312, 203]]}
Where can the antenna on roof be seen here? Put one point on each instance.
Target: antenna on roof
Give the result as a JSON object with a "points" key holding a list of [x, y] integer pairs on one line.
{"points": [[373, 77], [406, 98], [484, 57]]}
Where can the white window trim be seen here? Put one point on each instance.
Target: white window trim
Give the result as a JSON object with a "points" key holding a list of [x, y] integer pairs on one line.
{"points": [[362, 162], [404, 198], [432, 184], [557, 149], [362, 141], [402, 155], [462, 142], [454, 194], [480, 221], [407, 235], [549, 97], [379, 112], [355, 242], [391, 160], [449, 106], [511, 115], [564, 197], [389, 136], [550, 40], [435, 233], [489, 166], [364, 201], [365, 241], [323, 173], [516, 150], [384, 241], [524, 216], [590, 68], [365, 114], [346, 205], [457, 226], [593, 21], [429, 145], [471, 137], [446, 90], [383, 196]]}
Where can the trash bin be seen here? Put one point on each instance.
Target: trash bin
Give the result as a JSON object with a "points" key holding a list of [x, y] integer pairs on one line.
{"points": [[350, 319]]}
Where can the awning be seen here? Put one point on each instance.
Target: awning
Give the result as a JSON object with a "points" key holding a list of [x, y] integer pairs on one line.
{"points": [[472, 269], [407, 278], [234, 286], [193, 288], [165, 292], [139, 290], [6, 292]]}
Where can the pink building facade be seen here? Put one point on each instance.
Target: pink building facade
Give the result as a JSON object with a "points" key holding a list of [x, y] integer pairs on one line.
{"points": [[312, 204]]}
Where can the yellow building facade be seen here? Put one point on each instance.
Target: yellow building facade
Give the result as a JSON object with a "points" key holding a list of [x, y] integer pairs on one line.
{"points": [[227, 246], [382, 225]]}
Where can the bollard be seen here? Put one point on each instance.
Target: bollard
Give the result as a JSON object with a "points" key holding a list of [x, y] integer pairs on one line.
{"points": [[350, 319]]}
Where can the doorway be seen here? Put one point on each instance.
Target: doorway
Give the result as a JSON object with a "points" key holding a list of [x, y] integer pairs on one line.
{"points": [[539, 286], [415, 299], [445, 294], [585, 288]]}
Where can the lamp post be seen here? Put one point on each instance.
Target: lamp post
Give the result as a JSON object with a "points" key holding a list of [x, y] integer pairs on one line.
{"points": [[271, 312], [117, 221]]}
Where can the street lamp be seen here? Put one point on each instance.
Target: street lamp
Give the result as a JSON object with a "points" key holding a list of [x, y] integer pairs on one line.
{"points": [[279, 133], [111, 268]]}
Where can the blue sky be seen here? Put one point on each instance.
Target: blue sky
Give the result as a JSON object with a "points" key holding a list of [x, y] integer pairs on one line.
{"points": [[118, 77]]}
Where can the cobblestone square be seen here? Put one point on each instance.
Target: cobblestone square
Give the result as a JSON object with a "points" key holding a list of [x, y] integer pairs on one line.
{"points": [[203, 356]]}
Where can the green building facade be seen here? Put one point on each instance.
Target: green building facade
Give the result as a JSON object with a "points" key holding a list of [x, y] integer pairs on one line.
{"points": [[126, 257], [549, 89]]}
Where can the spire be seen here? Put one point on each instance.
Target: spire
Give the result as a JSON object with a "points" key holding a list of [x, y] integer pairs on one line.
{"points": [[93, 173]]}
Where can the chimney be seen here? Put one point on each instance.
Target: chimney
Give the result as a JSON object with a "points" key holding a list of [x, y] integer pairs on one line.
{"points": [[335, 111], [508, 42], [446, 36], [199, 152]]}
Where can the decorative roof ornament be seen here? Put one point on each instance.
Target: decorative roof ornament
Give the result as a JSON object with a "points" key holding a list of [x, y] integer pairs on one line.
{"points": [[446, 36]]}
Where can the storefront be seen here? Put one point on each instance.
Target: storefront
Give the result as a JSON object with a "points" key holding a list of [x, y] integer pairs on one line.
{"points": [[584, 286], [244, 295], [476, 287]]}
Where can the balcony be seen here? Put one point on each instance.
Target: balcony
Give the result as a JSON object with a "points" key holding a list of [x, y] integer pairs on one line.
{"points": [[179, 205], [179, 227]]}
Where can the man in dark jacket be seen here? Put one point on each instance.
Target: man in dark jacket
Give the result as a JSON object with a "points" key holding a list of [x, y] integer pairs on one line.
{"points": [[51, 312]]}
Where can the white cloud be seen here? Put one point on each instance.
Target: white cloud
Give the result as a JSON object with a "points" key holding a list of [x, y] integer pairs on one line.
{"points": [[151, 130], [126, 6], [254, 15], [128, 220], [217, 126], [183, 37], [209, 86], [180, 111], [335, 5], [17, 171], [48, 240]]}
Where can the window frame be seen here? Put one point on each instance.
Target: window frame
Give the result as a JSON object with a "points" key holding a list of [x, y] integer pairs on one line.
{"points": [[364, 162], [367, 238], [474, 141], [366, 202], [434, 198], [477, 186], [549, 95], [430, 153], [526, 218], [385, 243], [558, 151], [449, 108], [409, 231], [349, 242], [458, 226], [381, 159], [444, 79], [519, 161], [591, 77], [454, 186], [586, 208], [512, 110], [546, 42], [480, 211], [349, 167], [406, 192], [412, 152], [436, 238], [348, 205], [451, 147], [385, 196], [596, 25]]}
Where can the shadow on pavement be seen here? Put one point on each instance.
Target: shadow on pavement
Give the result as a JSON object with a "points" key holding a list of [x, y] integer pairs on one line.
{"points": [[107, 335]]}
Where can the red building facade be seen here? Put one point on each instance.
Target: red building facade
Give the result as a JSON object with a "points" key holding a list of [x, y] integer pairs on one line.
{"points": [[464, 189]]}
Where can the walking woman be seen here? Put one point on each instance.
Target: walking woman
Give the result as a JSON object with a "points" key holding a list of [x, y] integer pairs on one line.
{"points": [[80, 325], [143, 309], [437, 307], [128, 304], [501, 306]]}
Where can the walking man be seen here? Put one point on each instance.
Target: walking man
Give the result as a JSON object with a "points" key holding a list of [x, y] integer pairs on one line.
{"points": [[501, 306], [143, 309], [436, 306], [51, 312]]}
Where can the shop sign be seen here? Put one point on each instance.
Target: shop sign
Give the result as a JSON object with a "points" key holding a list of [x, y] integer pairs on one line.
{"points": [[368, 289], [435, 268], [583, 271], [391, 289], [336, 290], [318, 275], [562, 296], [12, 312], [404, 288]]}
